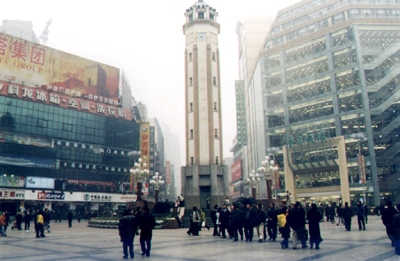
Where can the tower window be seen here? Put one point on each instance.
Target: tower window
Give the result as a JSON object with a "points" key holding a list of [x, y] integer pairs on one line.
{"points": [[191, 17], [201, 15], [217, 160], [191, 106], [191, 134], [211, 17], [190, 57], [191, 161], [215, 80], [216, 133], [190, 81], [213, 56], [215, 106]]}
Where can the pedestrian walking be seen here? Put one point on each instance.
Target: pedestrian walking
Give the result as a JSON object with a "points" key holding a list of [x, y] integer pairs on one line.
{"points": [[387, 220], [58, 216], [297, 221], [194, 222], [261, 218], [347, 215], [79, 217], [272, 224], [203, 220], [339, 214], [147, 223], [39, 225], [284, 227], [3, 224], [127, 229], [224, 217], [396, 224], [19, 220], [249, 223], [237, 218], [47, 218], [314, 217], [27, 220], [366, 213], [360, 210], [213, 215], [7, 221], [70, 216]]}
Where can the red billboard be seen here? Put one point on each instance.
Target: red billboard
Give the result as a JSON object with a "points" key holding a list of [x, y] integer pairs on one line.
{"points": [[236, 170], [168, 172]]}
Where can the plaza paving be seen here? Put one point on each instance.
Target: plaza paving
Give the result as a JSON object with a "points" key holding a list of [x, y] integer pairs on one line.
{"points": [[84, 243]]}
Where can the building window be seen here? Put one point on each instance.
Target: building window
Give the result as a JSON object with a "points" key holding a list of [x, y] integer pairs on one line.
{"points": [[191, 17], [215, 80], [42, 123], [213, 56], [190, 81], [201, 15], [191, 161], [217, 160], [191, 134], [212, 17], [216, 133], [215, 106], [67, 127], [191, 106], [190, 57]]}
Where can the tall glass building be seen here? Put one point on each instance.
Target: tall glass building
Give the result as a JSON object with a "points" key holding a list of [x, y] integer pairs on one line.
{"points": [[334, 65]]}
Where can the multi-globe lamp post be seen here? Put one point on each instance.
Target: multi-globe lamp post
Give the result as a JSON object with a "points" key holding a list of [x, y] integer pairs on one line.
{"points": [[141, 173], [253, 180], [270, 171], [157, 181]]}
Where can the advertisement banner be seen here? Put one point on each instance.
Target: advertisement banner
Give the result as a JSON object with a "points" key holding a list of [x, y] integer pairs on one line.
{"points": [[50, 196], [145, 143], [42, 67], [361, 169], [26, 161], [6, 136], [37, 182], [90, 182], [12, 194], [12, 181], [236, 170], [131, 183], [168, 172]]}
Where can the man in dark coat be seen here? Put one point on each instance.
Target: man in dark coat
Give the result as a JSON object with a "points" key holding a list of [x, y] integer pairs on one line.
{"points": [[297, 221], [147, 223], [250, 217], [347, 215], [360, 215], [387, 220], [127, 229], [213, 216], [314, 217], [47, 218], [396, 224], [272, 224], [19, 220], [224, 216], [237, 218], [70, 216]]}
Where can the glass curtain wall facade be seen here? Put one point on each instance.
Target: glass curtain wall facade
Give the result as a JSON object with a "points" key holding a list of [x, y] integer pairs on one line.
{"points": [[337, 64], [69, 144]]}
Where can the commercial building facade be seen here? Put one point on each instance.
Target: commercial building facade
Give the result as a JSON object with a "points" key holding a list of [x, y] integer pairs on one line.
{"points": [[330, 69]]}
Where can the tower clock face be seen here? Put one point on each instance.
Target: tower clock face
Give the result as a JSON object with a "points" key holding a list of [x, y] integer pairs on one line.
{"points": [[201, 36]]}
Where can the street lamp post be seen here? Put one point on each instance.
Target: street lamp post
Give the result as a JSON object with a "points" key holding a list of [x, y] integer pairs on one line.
{"points": [[253, 180], [156, 181], [141, 174], [269, 169], [360, 136]]}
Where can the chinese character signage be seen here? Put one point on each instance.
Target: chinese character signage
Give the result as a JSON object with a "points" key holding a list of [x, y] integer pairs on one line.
{"points": [[168, 172], [50, 196], [38, 73], [145, 143], [152, 158], [6, 136], [90, 182], [7, 194]]}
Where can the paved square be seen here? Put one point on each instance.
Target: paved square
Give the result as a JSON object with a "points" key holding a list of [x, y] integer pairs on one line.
{"points": [[85, 243]]}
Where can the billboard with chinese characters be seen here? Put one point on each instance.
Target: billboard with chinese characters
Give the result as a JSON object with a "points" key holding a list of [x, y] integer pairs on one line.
{"points": [[236, 170], [38, 73], [145, 143], [19, 138]]}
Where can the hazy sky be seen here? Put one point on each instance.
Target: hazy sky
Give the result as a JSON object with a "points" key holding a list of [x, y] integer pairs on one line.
{"points": [[145, 39]]}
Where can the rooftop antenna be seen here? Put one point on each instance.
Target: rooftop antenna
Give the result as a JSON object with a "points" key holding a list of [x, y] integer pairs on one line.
{"points": [[45, 32]]}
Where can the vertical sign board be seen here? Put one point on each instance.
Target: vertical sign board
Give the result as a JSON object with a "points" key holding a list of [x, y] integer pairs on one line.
{"points": [[145, 143], [152, 150], [361, 169], [168, 172], [236, 170]]}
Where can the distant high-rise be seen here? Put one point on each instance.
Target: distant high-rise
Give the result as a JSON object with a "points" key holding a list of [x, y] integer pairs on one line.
{"points": [[21, 29]]}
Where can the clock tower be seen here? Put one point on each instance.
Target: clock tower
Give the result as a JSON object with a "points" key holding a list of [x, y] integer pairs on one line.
{"points": [[204, 174]]}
